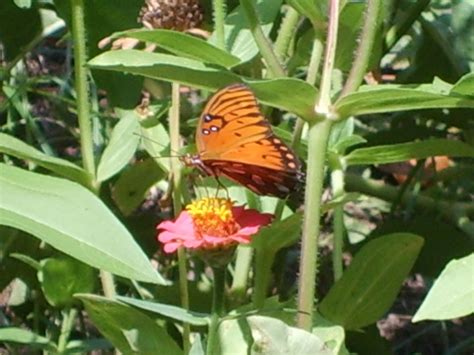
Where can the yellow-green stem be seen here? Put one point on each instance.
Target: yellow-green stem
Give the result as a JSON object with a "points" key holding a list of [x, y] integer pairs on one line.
{"points": [[174, 124], [337, 183], [69, 317], [217, 311], [219, 8], [286, 33], [317, 141]]}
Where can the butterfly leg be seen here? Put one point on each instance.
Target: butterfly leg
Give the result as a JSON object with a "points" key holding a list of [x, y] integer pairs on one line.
{"points": [[220, 185]]}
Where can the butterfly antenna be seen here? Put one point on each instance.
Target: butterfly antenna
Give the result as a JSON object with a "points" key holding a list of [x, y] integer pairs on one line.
{"points": [[156, 142]]}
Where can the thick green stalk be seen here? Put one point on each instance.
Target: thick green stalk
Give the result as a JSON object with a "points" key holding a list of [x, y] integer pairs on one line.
{"points": [[286, 33], [66, 328], [318, 136], [82, 86], [174, 124], [83, 114], [317, 141], [217, 311], [264, 45], [219, 8], [263, 273], [364, 50]]}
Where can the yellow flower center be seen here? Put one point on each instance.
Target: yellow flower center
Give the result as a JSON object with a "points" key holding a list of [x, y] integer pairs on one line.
{"points": [[213, 216]]}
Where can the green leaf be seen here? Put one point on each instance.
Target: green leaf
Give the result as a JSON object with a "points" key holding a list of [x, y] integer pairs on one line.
{"points": [[332, 335], [167, 310], [392, 153], [86, 346], [452, 294], [279, 235], [122, 146], [128, 329], [273, 337], [289, 94], [340, 200], [25, 337], [391, 98], [314, 10], [15, 147], [237, 33], [62, 277], [165, 67], [464, 86], [28, 260], [75, 222], [371, 282], [183, 45], [131, 187]]}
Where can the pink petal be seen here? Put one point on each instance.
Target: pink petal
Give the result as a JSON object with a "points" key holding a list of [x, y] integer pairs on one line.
{"points": [[183, 225], [192, 243]]}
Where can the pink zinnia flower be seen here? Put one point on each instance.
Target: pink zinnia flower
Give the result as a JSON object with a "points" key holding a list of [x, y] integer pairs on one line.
{"points": [[211, 223]]}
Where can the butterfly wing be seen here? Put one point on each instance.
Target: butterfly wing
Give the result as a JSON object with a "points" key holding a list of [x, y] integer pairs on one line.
{"points": [[234, 139]]}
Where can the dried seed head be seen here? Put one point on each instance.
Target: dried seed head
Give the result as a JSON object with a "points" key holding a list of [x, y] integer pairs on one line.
{"points": [[179, 15]]}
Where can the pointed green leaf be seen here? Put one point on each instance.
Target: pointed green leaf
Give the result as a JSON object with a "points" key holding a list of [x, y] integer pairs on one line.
{"points": [[128, 329], [15, 147], [122, 146], [25, 337], [371, 282], [452, 294], [464, 86], [279, 235], [392, 153], [167, 310], [72, 219], [184, 45]]}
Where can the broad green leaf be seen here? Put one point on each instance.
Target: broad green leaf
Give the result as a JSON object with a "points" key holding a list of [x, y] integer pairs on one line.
{"points": [[131, 187], [345, 143], [128, 329], [17, 148], [452, 294], [332, 335], [184, 45], [238, 37], [288, 94], [25, 337], [405, 151], [341, 200], [464, 86], [62, 277], [273, 337], [165, 67], [167, 310], [279, 235], [371, 282], [122, 146], [75, 222], [314, 10], [392, 98]]}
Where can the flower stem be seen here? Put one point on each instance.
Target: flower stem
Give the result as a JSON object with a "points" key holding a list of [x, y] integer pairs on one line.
{"points": [[219, 8], [217, 310], [263, 271], [176, 173], [286, 32], [82, 87], [242, 268], [364, 50], [317, 142], [318, 136], [274, 66], [66, 328], [83, 114]]}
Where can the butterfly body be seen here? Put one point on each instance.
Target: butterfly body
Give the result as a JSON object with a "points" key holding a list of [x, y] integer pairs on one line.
{"points": [[235, 140]]}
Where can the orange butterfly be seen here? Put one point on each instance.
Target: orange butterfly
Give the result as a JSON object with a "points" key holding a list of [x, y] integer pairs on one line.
{"points": [[235, 140]]}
